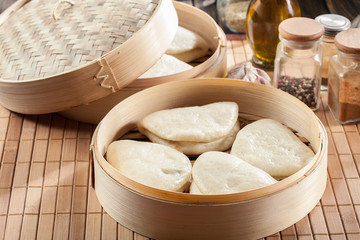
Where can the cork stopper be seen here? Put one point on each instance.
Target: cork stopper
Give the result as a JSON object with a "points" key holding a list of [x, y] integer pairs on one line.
{"points": [[301, 29], [348, 41]]}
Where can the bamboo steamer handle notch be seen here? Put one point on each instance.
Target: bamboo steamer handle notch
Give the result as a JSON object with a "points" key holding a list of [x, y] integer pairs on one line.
{"points": [[106, 77], [57, 5], [221, 42]]}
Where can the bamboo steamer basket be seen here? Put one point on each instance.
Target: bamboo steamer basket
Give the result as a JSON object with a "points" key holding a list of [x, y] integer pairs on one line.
{"points": [[254, 214], [60, 54], [66, 63], [191, 18]]}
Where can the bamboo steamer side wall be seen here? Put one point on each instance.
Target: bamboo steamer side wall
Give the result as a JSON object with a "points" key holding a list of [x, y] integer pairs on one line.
{"points": [[250, 219], [248, 215]]}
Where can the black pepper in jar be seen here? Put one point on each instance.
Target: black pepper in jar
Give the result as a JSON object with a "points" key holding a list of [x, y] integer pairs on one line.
{"points": [[298, 60], [302, 88]]}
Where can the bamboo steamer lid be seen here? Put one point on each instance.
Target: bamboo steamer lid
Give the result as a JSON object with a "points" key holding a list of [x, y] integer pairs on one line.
{"points": [[59, 54], [301, 29], [348, 41]]}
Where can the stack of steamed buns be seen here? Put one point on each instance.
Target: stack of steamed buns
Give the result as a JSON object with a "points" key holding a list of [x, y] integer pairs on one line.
{"points": [[260, 152]]}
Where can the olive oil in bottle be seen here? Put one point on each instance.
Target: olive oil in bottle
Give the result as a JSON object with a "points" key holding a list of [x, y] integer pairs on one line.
{"points": [[262, 21]]}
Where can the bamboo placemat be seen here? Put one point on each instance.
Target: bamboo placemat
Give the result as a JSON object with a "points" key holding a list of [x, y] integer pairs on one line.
{"points": [[45, 190]]}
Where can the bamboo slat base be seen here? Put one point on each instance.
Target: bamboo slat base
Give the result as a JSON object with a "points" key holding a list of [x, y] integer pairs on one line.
{"points": [[45, 188]]}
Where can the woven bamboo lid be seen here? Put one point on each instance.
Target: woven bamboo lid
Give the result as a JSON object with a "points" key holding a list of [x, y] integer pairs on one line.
{"points": [[48, 37], [301, 29], [73, 52]]}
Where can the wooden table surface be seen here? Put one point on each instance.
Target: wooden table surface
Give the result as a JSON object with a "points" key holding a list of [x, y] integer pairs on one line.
{"points": [[45, 190]]}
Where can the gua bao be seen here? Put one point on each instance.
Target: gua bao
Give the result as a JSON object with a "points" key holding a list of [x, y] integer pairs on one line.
{"points": [[167, 65], [151, 164], [272, 147], [187, 45], [193, 130], [221, 173]]}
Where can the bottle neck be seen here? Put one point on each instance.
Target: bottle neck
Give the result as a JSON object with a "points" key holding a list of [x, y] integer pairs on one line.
{"points": [[300, 49], [328, 38]]}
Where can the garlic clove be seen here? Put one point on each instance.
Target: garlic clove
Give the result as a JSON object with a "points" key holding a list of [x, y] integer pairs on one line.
{"points": [[247, 72]]}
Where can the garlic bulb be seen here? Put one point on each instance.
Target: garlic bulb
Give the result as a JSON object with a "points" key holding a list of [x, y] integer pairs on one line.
{"points": [[247, 72]]}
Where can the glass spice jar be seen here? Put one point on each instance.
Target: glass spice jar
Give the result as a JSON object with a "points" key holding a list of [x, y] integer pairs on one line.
{"points": [[262, 21], [297, 67], [344, 77], [333, 24], [232, 15]]}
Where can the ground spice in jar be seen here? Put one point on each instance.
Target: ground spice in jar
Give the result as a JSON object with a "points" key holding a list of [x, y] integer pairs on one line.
{"points": [[333, 24], [345, 103], [344, 77], [302, 88]]}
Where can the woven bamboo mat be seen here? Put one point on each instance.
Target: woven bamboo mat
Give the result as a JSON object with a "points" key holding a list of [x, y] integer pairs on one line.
{"points": [[45, 190]]}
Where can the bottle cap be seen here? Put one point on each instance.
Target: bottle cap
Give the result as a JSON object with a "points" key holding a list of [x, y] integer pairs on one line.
{"points": [[333, 23], [348, 41], [301, 29]]}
